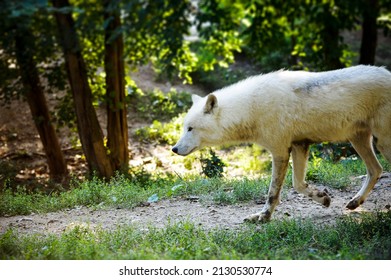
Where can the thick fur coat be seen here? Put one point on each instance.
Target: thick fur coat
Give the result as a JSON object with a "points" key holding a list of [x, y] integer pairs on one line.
{"points": [[286, 111]]}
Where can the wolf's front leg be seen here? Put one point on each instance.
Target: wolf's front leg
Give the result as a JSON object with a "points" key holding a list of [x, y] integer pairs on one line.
{"points": [[279, 168]]}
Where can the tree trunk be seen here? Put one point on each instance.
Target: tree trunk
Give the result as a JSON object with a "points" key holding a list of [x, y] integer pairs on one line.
{"points": [[294, 59], [38, 106], [369, 32], [331, 48], [91, 135], [117, 124]]}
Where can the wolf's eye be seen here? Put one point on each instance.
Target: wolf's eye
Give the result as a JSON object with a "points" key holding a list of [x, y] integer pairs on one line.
{"points": [[189, 129]]}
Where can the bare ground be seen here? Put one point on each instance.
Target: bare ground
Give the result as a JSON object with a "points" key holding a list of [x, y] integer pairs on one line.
{"points": [[19, 142]]}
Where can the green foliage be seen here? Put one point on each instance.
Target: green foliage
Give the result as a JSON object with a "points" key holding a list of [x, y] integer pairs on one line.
{"points": [[218, 23], [159, 132], [154, 32], [161, 107], [275, 33], [368, 238], [157, 105], [385, 22], [223, 76], [32, 16], [212, 166]]}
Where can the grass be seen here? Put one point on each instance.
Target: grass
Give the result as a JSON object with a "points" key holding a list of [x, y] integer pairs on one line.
{"points": [[127, 191], [369, 238]]}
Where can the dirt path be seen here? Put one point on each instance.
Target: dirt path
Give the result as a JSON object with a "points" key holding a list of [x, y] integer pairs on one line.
{"points": [[208, 216]]}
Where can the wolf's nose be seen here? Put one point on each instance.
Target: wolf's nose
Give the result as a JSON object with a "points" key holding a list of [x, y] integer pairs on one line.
{"points": [[175, 150]]}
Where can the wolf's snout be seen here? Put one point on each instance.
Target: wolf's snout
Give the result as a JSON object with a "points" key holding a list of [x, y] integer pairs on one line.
{"points": [[175, 150]]}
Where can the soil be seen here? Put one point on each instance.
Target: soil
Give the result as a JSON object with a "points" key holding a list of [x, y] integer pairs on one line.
{"points": [[21, 149]]}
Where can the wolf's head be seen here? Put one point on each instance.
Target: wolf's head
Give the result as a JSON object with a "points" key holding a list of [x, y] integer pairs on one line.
{"points": [[201, 126]]}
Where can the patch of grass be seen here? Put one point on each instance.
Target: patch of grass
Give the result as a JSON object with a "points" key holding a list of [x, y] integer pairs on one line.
{"points": [[239, 190], [367, 238], [338, 174], [120, 191], [130, 190]]}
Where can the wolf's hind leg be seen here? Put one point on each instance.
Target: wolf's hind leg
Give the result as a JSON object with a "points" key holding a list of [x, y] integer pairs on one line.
{"points": [[384, 146], [300, 152], [362, 143]]}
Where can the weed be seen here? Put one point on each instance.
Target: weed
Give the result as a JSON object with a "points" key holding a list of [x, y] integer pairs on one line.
{"points": [[212, 166]]}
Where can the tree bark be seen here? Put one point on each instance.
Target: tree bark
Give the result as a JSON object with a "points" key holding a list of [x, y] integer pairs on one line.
{"points": [[369, 32], [90, 133], [117, 124], [36, 99]]}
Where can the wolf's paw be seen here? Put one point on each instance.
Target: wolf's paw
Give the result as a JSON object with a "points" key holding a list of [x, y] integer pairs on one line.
{"points": [[258, 218], [252, 218], [354, 203], [321, 197], [326, 200]]}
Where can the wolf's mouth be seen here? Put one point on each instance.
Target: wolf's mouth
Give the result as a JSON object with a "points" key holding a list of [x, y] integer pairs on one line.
{"points": [[191, 151]]}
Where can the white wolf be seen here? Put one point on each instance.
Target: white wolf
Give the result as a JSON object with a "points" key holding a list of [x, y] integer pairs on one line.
{"points": [[286, 111]]}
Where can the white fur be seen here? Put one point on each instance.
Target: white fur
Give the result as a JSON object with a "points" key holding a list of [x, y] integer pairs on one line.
{"points": [[286, 110]]}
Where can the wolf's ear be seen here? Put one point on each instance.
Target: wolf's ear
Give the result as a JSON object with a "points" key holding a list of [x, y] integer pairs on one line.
{"points": [[211, 104], [195, 98]]}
